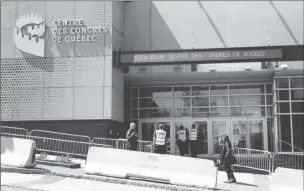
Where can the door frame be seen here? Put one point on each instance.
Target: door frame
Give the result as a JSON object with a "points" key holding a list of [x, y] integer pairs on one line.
{"points": [[265, 131], [155, 120]]}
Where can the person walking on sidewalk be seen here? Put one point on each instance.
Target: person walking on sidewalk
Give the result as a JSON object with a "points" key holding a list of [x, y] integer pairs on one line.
{"points": [[226, 158], [193, 141], [132, 137], [159, 140]]}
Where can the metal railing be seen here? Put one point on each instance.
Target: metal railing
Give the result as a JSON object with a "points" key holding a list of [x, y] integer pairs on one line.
{"points": [[253, 159], [14, 132], [104, 142], [60, 143], [288, 160], [289, 144], [145, 146]]}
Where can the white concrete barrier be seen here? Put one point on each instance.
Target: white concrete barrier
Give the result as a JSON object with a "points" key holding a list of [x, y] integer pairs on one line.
{"points": [[17, 152], [286, 179], [164, 168]]}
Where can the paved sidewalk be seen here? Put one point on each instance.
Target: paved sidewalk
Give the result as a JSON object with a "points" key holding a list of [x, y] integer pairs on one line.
{"points": [[246, 181]]}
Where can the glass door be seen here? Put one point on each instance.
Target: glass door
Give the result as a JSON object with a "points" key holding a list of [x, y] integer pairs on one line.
{"points": [[219, 128], [202, 138], [146, 131], [177, 125], [249, 133]]}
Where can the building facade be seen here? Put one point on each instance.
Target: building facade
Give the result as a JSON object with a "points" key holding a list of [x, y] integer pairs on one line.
{"points": [[83, 87]]}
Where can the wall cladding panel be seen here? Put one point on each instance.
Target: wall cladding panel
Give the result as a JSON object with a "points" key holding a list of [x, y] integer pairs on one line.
{"points": [[7, 73], [88, 102], [6, 104], [27, 104], [58, 103], [89, 71], [8, 14], [28, 73], [7, 44], [58, 72]]}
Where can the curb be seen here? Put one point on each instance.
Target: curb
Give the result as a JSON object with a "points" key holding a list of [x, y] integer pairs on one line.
{"points": [[113, 180], [24, 170]]}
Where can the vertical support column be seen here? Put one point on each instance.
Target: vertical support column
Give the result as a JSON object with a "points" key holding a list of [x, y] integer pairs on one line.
{"points": [[275, 120], [290, 114]]}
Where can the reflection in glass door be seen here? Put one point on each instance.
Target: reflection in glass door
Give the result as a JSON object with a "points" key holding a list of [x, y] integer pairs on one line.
{"points": [[219, 128], [248, 134]]}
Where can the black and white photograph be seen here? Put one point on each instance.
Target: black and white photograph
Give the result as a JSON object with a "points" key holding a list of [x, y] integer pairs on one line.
{"points": [[152, 95]]}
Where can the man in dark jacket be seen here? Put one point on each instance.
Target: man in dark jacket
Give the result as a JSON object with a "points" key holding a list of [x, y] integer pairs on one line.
{"points": [[226, 158], [132, 137]]}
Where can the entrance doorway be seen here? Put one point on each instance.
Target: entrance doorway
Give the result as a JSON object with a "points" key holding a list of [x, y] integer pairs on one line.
{"points": [[243, 132]]}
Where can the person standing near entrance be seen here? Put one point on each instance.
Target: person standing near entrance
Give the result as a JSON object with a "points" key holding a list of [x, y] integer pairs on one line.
{"points": [[182, 138], [193, 133], [159, 140], [132, 137]]}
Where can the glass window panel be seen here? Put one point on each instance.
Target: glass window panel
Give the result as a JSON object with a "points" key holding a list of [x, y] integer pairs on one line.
{"points": [[200, 90], [134, 113], [247, 111], [297, 107], [182, 102], [181, 112], [297, 94], [134, 103], [284, 132], [181, 91], [298, 131], [247, 100], [161, 112], [200, 101], [247, 89], [219, 111], [148, 131], [269, 111], [256, 134], [282, 83], [269, 99], [155, 92], [219, 101], [296, 82], [134, 92], [268, 88], [155, 102], [239, 134], [219, 90], [283, 107], [283, 95]]}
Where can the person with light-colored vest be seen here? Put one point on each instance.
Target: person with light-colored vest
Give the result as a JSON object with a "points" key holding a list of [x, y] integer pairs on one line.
{"points": [[182, 138], [193, 133], [159, 140]]}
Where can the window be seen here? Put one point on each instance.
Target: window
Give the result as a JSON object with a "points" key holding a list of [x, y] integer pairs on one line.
{"points": [[247, 100], [283, 107], [297, 94], [296, 82], [159, 102], [297, 107], [298, 130], [200, 91], [246, 89], [134, 92], [181, 91], [283, 95], [219, 90], [282, 83], [219, 101], [200, 101], [155, 92], [284, 132]]}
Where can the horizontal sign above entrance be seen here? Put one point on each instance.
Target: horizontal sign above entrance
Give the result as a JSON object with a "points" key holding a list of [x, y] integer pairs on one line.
{"points": [[202, 56]]}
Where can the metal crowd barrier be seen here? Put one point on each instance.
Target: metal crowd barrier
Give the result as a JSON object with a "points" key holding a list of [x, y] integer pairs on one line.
{"points": [[14, 132], [288, 160], [145, 146], [253, 159], [61, 143], [122, 144], [104, 142]]}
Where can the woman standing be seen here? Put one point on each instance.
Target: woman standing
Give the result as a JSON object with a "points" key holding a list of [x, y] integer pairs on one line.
{"points": [[226, 158]]}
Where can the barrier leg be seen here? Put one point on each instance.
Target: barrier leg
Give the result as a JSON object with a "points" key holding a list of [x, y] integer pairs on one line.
{"points": [[216, 177]]}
